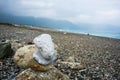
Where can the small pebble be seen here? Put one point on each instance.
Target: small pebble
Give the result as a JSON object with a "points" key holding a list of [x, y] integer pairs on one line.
{"points": [[8, 69]]}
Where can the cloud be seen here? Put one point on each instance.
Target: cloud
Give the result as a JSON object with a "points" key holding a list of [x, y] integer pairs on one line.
{"points": [[35, 4], [76, 11], [106, 17], [38, 8]]}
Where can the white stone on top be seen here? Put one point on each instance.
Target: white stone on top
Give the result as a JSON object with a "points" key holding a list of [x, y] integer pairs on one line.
{"points": [[46, 52]]}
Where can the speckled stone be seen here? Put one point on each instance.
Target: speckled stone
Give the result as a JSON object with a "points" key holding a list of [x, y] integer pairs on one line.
{"points": [[24, 58], [52, 74]]}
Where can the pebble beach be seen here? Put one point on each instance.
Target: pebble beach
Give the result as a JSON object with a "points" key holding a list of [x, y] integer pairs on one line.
{"points": [[99, 57]]}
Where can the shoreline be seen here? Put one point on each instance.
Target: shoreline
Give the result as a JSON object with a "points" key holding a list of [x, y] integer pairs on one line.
{"points": [[54, 30]]}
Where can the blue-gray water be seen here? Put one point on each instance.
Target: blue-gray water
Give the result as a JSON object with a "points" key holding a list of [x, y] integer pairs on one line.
{"points": [[102, 33], [111, 32]]}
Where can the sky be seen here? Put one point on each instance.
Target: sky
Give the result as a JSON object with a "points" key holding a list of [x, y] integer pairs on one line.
{"points": [[77, 11]]}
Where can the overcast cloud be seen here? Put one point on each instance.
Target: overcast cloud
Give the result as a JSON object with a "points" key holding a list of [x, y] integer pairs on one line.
{"points": [[76, 11]]}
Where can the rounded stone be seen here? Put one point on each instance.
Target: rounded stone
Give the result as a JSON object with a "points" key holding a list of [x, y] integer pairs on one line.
{"points": [[52, 74], [24, 58]]}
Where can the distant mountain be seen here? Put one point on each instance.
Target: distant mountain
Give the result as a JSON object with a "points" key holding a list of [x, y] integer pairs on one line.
{"points": [[98, 29], [43, 22]]}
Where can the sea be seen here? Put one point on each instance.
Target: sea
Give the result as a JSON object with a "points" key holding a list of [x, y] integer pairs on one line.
{"points": [[101, 33], [106, 32]]}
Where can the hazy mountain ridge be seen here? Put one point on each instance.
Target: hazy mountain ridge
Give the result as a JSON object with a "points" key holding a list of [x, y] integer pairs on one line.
{"points": [[44, 22]]}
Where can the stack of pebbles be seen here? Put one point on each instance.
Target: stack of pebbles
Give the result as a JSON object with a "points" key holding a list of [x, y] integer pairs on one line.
{"points": [[38, 56]]}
